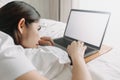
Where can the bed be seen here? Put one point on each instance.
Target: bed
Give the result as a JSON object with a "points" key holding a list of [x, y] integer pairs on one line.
{"points": [[105, 67]]}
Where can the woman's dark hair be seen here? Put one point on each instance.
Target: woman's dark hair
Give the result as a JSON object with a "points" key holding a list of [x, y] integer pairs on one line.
{"points": [[12, 13]]}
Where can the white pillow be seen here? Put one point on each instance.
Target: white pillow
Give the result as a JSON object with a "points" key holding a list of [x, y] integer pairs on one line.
{"points": [[52, 28]]}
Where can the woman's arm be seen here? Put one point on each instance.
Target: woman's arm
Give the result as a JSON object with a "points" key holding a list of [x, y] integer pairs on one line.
{"points": [[76, 51], [46, 41], [32, 75]]}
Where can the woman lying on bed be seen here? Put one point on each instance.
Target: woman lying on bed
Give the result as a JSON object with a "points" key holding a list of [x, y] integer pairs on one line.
{"points": [[28, 59]]}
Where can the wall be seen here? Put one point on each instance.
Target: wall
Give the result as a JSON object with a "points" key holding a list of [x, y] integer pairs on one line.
{"points": [[3, 2], [48, 9], [42, 7], [112, 37], [54, 9], [65, 6], [75, 4]]}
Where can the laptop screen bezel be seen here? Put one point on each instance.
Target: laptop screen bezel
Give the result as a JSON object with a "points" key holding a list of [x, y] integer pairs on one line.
{"points": [[91, 11]]}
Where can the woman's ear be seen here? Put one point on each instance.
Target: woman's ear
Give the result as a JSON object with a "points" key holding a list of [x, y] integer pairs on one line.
{"points": [[21, 25]]}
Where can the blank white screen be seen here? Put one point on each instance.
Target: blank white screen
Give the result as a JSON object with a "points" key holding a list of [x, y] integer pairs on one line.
{"points": [[87, 26]]}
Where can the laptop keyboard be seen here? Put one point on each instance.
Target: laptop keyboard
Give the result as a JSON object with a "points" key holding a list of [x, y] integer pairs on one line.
{"points": [[89, 50], [65, 43], [62, 42]]}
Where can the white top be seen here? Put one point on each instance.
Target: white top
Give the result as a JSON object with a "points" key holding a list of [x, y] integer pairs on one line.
{"points": [[15, 61]]}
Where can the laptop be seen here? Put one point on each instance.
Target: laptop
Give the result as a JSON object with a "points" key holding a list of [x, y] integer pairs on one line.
{"points": [[87, 26]]}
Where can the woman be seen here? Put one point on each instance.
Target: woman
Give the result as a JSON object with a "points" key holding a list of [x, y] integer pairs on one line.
{"points": [[21, 21]]}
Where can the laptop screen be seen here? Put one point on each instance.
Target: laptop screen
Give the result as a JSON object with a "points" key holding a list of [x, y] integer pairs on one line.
{"points": [[87, 26]]}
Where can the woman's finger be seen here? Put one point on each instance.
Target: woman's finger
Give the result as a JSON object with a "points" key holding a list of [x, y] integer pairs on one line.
{"points": [[48, 39], [45, 43]]}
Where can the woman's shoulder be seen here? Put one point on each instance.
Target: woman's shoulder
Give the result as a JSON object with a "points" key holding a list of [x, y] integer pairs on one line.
{"points": [[7, 47]]}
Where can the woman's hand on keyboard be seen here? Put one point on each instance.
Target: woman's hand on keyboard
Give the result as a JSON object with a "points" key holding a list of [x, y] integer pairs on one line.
{"points": [[76, 49]]}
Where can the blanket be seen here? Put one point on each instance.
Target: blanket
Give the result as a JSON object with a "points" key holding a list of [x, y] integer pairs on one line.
{"points": [[49, 61]]}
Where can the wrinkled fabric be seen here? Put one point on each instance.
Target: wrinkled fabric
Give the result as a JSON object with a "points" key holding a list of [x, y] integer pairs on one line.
{"points": [[49, 61], [13, 62]]}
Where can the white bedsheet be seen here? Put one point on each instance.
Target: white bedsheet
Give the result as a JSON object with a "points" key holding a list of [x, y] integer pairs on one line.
{"points": [[50, 61], [52, 28], [105, 67]]}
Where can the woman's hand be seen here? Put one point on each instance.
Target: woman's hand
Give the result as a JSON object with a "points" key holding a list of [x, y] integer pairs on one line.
{"points": [[76, 49], [46, 41], [79, 71]]}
